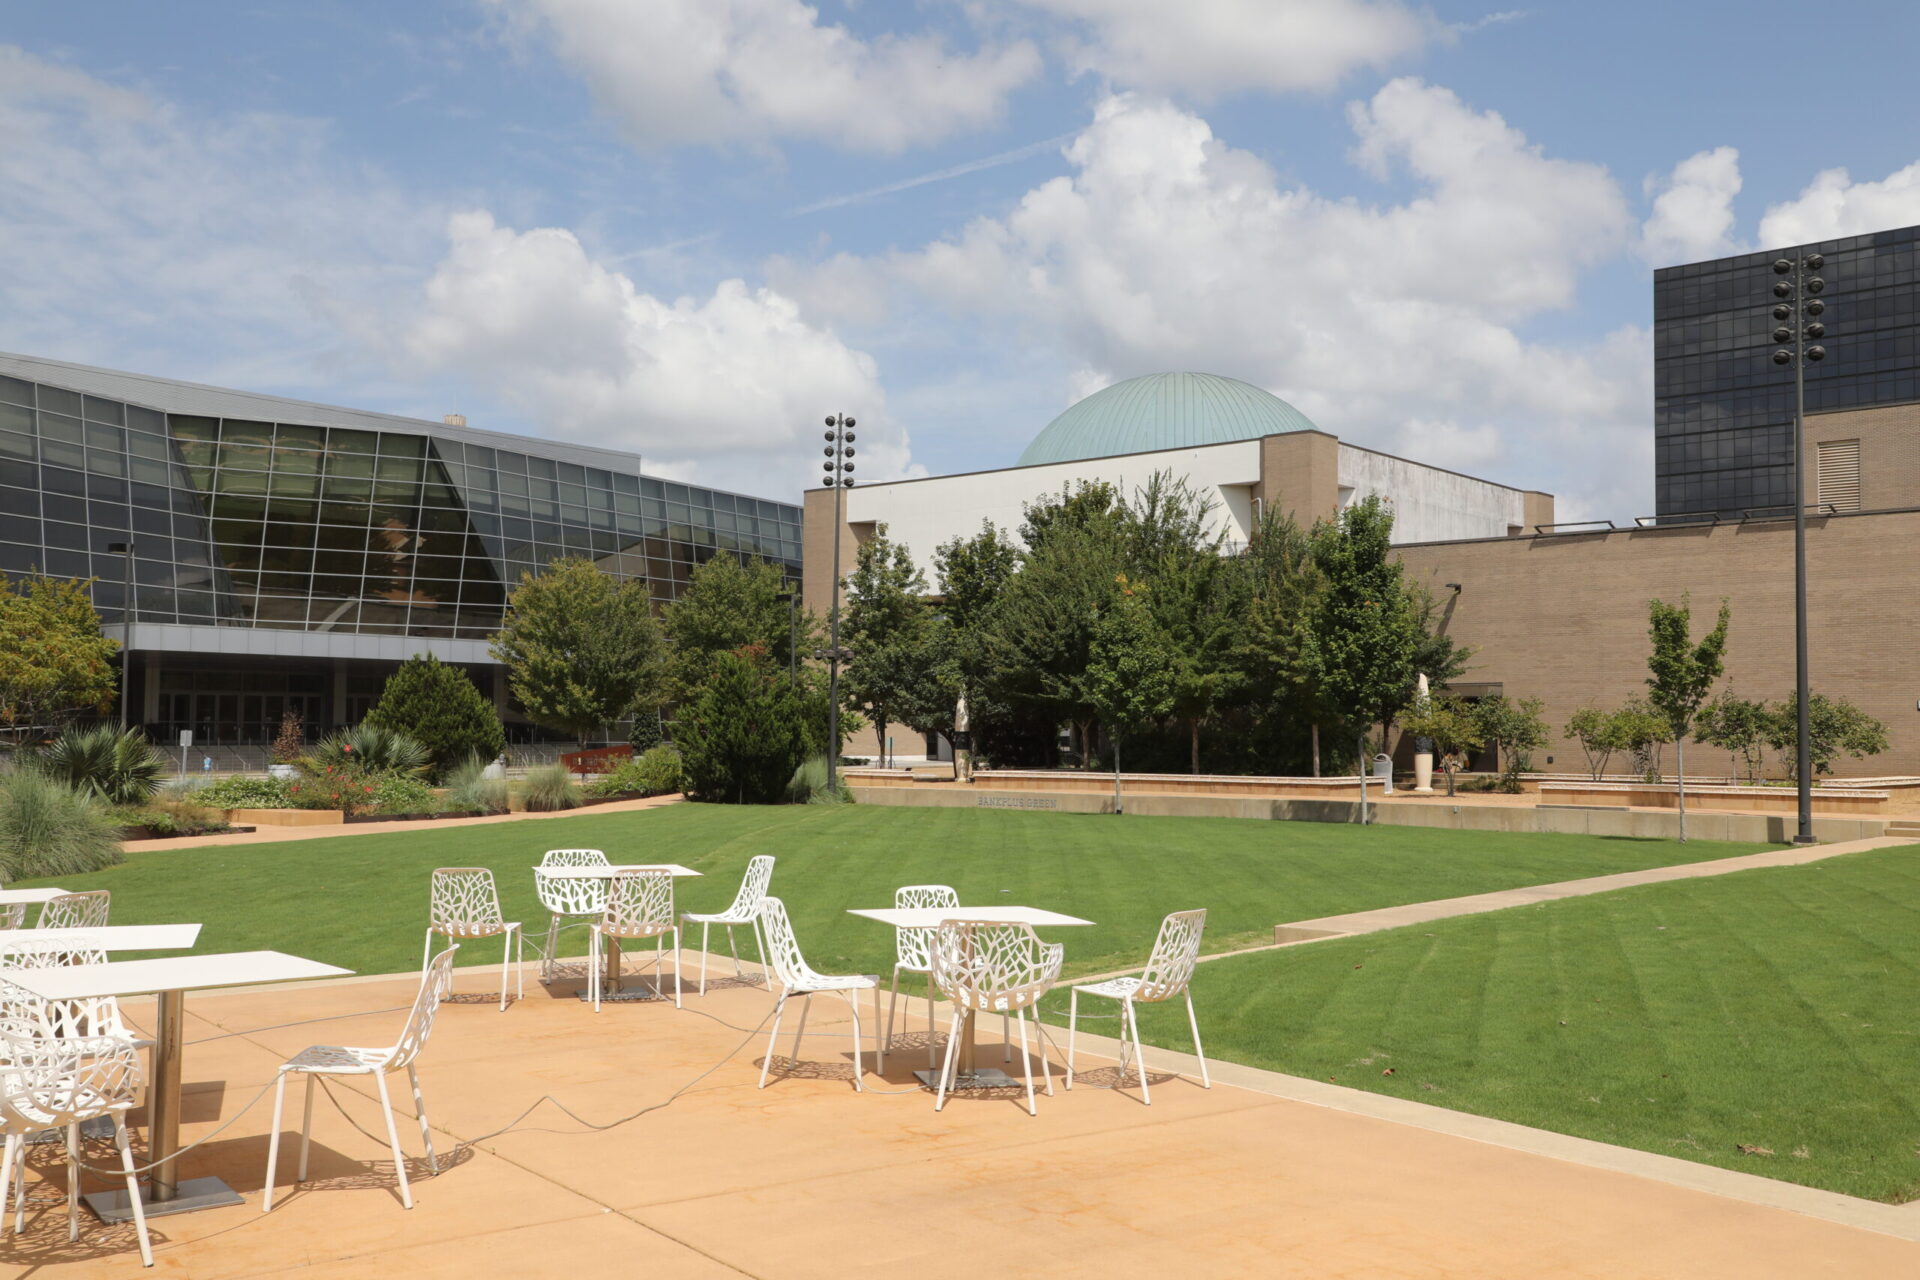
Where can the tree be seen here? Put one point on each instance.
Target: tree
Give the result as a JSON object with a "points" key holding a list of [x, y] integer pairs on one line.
{"points": [[438, 706], [746, 729], [1198, 601], [1132, 674], [1738, 726], [1598, 733], [54, 663], [1642, 732], [1834, 726], [1682, 675], [1516, 729], [1277, 646], [729, 604], [1368, 625], [582, 649], [1452, 725], [888, 627], [972, 573]]}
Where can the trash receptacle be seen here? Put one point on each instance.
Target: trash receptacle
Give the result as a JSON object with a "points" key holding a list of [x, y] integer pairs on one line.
{"points": [[1383, 772]]}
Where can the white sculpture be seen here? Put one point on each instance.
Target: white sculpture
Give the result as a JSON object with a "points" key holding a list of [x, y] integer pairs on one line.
{"points": [[1422, 760]]}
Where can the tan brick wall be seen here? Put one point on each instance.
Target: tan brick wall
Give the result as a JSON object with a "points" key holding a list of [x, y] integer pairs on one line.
{"points": [[1564, 619], [1889, 453], [1538, 509], [816, 550], [1300, 473]]}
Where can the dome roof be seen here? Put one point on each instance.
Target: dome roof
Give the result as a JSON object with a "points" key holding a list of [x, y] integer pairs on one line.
{"points": [[1163, 411]]}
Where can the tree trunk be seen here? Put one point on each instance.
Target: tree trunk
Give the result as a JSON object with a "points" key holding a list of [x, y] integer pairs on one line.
{"points": [[1680, 778], [1193, 735], [1316, 750], [1363, 780], [1116, 775], [1450, 791], [880, 716]]}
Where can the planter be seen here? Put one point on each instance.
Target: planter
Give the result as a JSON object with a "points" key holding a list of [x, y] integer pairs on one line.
{"points": [[286, 817], [148, 833], [356, 818]]}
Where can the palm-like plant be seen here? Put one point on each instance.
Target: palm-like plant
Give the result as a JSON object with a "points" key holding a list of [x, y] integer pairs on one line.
{"points": [[118, 765], [48, 828], [366, 748]]}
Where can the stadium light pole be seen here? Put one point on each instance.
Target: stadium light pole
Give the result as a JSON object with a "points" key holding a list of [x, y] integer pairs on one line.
{"points": [[839, 477], [126, 626], [1798, 309]]}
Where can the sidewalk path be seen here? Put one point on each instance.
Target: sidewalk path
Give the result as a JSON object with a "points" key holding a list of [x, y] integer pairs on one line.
{"points": [[267, 834]]}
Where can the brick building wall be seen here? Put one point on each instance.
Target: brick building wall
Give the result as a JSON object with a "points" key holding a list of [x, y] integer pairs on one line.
{"points": [[1564, 618], [1889, 452]]}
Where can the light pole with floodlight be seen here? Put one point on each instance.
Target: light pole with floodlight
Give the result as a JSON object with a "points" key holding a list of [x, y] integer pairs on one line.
{"points": [[1798, 309], [839, 477]]}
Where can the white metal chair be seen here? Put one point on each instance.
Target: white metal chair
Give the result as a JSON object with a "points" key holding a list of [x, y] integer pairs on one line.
{"points": [[463, 903], [76, 910], [912, 949], [563, 897], [639, 905], [1167, 976], [86, 1017], [994, 967], [797, 978], [341, 1060], [52, 1079], [745, 910], [13, 915]]}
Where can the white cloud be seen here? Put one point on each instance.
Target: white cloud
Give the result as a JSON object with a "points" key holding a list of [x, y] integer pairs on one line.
{"points": [[1833, 205], [730, 387], [1168, 249], [706, 71], [1210, 47], [1692, 217]]}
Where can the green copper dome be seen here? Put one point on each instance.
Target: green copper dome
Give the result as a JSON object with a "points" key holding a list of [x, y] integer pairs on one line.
{"points": [[1163, 411]]}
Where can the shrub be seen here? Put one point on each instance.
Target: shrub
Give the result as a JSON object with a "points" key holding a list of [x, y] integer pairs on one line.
{"points": [[438, 706], [121, 767], [745, 730], [50, 829], [291, 738], [245, 793], [657, 773], [808, 785], [367, 749], [347, 788], [549, 788], [395, 793], [180, 812], [645, 734], [470, 790]]}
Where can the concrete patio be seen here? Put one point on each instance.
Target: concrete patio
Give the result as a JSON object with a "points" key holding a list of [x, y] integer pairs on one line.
{"points": [[809, 1178]]}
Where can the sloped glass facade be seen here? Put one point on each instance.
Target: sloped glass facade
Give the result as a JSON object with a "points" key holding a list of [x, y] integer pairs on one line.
{"points": [[1723, 411]]}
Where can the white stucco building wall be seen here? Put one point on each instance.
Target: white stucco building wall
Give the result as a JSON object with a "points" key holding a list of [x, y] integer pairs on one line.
{"points": [[1429, 504]]}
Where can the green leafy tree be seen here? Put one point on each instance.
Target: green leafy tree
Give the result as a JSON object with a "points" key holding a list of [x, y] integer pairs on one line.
{"points": [[1451, 725], [439, 707], [889, 628], [1368, 624], [582, 649], [1601, 734], [1133, 673], [1199, 598], [54, 663], [729, 604], [1278, 649], [972, 573], [1642, 732], [1515, 727], [1835, 727], [1740, 727], [1682, 674], [746, 729]]}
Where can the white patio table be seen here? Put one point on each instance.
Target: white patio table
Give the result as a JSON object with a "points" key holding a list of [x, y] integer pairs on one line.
{"points": [[170, 979], [16, 897], [110, 937], [613, 990], [967, 1074]]}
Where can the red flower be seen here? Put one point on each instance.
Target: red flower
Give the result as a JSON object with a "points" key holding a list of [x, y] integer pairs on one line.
{"points": [[346, 749]]}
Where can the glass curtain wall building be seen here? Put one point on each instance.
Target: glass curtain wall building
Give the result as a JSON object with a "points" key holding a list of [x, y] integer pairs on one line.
{"points": [[311, 547], [1724, 411]]}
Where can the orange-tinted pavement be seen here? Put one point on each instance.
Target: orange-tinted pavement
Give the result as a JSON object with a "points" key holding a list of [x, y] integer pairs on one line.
{"points": [[809, 1178]]}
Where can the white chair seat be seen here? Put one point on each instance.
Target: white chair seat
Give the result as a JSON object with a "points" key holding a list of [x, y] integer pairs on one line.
{"points": [[848, 982], [82, 1099], [744, 909], [717, 917], [1115, 988], [1167, 977], [338, 1059]]}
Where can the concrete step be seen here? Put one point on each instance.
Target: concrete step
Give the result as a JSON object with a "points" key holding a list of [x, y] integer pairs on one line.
{"points": [[1904, 830]]}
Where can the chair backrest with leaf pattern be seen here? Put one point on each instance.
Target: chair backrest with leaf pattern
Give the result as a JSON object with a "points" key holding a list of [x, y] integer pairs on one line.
{"points": [[1175, 952], [912, 947], [992, 966], [433, 989], [564, 895], [639, 904]]}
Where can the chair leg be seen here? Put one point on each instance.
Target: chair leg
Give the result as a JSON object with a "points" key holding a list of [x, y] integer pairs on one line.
{"points": [[1027, 1058], [1073, 1029], [853, 1003], [760, 953], [806, 1007], [19, 1189], [306, 1127], [676, 964], [133, 1188], [1194, 1023], [273, 1141], [420, 1109], [73, 1181], [1006, 1040], [1139, 1051], [549, 957], [706, 932], [1040, 1047], [734, 949], [6, 1173], [930, 1017], [879, 1045], [506, 963], [891, 1001], [946, 1066], [773, 1037], [519, 961], [426, 952], [393, 1139]]}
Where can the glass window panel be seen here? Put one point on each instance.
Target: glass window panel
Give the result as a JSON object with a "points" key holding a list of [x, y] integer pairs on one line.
{"points": [[60, 534], [297, 462], [107, 515], [62, 563], [401, 469], [61, 480], [340, 537], [17, 447], [55, 426], [20, 559], [149, 420], [284, 533], [63, 454], [395, 444], [142, 445], [246, 482], [541, 468], [284, 485], [15, 391], [19, 528], [147, 521], [245, 432], [112, 411], [15, 417], [60, 400], [442, 520], [111, 439], [103, 463]]}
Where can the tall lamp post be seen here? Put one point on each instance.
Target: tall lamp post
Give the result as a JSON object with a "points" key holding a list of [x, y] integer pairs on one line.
{"points": [[1798, 309], [126, 626], [839, 477]]}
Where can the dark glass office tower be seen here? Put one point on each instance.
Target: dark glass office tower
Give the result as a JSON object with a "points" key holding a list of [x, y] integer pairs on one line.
{"points": [[1723, 411]]}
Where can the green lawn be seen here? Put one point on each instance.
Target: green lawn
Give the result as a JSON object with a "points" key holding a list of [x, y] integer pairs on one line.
{"points": [[360, 900], [1774, 1009]]}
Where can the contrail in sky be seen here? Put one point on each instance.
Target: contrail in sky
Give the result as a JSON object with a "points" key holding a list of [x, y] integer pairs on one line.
{"points": [[938, 175]]}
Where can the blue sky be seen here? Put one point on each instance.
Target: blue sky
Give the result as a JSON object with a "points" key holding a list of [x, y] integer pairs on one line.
{"points": [[691, 227]]}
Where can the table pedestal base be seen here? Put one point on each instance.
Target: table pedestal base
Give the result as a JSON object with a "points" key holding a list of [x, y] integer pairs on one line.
{"points": [[625, 995], [978, 1078], [194, 1194]]}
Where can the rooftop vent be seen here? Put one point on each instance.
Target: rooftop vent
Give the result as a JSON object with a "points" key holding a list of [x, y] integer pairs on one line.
{"points": [[454, 419]]}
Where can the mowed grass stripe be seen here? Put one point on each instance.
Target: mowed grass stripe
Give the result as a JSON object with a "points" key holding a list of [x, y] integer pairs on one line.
{"points": [[1776, 1010]]}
